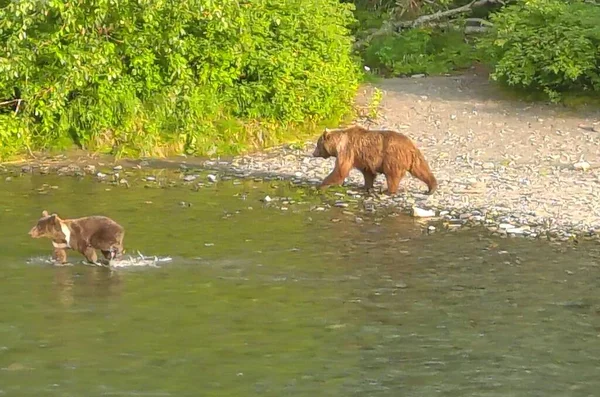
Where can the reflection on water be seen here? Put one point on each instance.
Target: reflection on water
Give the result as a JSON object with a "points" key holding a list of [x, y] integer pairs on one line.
{"points": [[267, 302]]}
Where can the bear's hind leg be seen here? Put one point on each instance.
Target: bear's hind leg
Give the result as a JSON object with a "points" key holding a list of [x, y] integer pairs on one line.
{"points": [[393, 181]]}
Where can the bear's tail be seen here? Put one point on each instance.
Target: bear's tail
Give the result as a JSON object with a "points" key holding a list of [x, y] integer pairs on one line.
{"points": [[420, 170]]}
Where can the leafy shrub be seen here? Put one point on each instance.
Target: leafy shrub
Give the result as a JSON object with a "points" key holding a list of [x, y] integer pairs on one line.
{"points": [[547, 45], [419, 50], [149, 77]]}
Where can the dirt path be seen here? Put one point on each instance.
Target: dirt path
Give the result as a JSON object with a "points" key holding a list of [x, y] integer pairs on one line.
{"points": [[461, 115]]}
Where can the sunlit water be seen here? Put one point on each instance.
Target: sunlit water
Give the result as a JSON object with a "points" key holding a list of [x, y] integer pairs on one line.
{"points": [[286, 303]]}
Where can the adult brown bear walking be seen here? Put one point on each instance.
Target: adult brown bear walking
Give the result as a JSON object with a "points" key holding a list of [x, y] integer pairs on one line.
{"points": [[373, 152]]}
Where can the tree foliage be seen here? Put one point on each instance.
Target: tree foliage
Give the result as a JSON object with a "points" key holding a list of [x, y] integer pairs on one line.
{"points": [[419, 50], [146, 75], [549, 45], [400, 37]]}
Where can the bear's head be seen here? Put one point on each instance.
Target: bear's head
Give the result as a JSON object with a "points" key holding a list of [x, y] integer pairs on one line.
{"points": [[326, 145], [47, 226]]}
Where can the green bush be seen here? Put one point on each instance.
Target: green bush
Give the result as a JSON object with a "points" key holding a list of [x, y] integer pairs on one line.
{"points": [[148, 77], [547, 45], [419, 50]]}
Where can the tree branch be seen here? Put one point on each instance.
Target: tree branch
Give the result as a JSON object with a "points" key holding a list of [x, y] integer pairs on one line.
{"points": [[391, 27], [12, 101]]}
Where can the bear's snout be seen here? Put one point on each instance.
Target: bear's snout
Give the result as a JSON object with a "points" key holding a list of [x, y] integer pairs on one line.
{"points": [[34, 232]]}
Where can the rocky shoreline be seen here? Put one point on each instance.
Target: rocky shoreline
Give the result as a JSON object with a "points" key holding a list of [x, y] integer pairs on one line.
{"points": [[514, 168], [507, 200]]}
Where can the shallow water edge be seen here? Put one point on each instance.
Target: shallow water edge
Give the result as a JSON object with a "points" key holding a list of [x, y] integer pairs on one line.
{"points": [[198, 173]]}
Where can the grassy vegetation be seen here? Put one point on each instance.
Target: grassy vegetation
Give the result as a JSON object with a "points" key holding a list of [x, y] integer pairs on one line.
{"points": [[154, 78]]}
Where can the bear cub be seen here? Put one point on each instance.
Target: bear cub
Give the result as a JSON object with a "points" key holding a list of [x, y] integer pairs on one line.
{"points": [[84, 235]]}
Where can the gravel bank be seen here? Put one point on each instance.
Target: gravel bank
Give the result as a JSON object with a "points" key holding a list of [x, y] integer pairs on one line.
{"points": [[516, 168]]}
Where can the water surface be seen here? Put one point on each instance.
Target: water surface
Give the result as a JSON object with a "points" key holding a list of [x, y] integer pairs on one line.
{"points": [[268, 302]]}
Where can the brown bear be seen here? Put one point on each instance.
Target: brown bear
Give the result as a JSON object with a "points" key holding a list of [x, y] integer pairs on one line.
{"points": [[373, 152], [82, 234]]}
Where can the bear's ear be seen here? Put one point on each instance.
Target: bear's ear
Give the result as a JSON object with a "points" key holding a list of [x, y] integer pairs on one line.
{"points": [[326, 133], [44, 213]]}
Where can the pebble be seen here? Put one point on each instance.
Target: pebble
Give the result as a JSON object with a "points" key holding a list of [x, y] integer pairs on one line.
{"points": [[150, 178], [190, 178], [582, 165], [267, 199], [422, 213], [100, 175], [211, 178], [341, 204], [516, 230]]}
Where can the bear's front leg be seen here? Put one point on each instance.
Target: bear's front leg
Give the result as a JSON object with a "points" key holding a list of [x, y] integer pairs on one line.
{"points": [[60, 255], [90, 255], [338, 175]]}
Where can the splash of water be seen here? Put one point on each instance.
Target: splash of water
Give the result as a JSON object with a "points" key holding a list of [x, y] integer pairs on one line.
{"points": [[128, 261]]}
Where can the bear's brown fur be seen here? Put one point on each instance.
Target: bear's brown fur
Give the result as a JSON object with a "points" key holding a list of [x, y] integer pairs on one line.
{"points": [[84, 235], [373, 152]]}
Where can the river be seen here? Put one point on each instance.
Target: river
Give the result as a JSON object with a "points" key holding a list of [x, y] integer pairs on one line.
{"points": [[263, 301]]}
